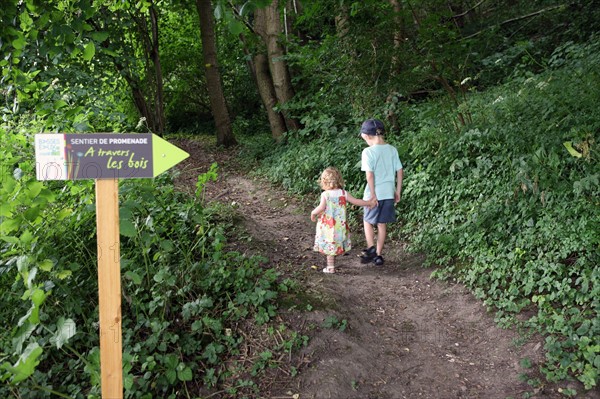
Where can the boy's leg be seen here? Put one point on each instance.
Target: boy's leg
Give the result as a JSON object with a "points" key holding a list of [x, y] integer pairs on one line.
{"points": [[369, 234], [370, 252], [381, 235]]}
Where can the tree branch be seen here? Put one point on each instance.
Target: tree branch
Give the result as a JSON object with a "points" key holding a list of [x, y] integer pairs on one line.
{"points": [[522, 17], [469, 10], [533, 14]]}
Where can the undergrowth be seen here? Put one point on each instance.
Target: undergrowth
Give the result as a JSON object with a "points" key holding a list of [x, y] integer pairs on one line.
{"points": [[190, 306], [506, 204]]}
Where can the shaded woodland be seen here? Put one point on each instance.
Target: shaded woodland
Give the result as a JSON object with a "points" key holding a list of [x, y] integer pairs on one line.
{"points": [[492, 104]]}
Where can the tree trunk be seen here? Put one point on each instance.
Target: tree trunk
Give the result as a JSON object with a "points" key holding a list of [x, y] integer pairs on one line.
{"points": [[399, 36], [396, 64], [259, 68], [139, 98], [267, 94], [213, 77], [280, 74], [155, 56], [341, 21]]}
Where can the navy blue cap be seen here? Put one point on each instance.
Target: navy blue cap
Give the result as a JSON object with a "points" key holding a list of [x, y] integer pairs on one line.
{"points": [[372, 127]]}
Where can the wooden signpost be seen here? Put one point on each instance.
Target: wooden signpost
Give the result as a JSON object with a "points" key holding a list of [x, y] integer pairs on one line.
{"points": [[106, 158]]}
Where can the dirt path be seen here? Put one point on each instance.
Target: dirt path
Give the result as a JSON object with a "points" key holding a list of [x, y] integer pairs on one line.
{"points": [[375, 332]]}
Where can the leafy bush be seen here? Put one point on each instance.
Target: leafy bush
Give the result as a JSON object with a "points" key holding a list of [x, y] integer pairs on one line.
{"points": [[509, 206], [184, 293]]}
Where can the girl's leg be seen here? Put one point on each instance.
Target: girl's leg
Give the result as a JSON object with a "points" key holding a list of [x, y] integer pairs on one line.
{"points": [[330, 264]]}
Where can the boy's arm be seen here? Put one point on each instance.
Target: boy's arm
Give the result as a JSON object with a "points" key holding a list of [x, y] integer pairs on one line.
{"points": [[318, 210], [371, 184], [398, 193]]}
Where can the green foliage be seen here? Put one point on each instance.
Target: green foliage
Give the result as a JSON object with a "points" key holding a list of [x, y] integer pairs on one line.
{"points": [[334, 322], [184, 292], [52, 67], [507, 205]]}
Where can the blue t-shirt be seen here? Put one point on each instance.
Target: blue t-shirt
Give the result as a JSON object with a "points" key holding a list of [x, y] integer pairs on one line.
{"points": [[384, 162]]}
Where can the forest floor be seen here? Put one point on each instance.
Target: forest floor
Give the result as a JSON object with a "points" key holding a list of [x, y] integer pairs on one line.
{"points": [[386, 332]]}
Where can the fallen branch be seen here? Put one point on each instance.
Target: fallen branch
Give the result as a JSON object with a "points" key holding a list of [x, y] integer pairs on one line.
{"points": [[533, 14]]}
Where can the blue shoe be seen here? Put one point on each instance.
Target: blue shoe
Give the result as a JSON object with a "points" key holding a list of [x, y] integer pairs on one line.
{"points": [[378, 260]]}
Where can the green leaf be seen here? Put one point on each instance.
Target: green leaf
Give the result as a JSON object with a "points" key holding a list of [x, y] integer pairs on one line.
{"points": [[9, 225], [89, 51], [63, 274], [38, 296], [32, 213], [65, 329], [185, 374], [19, 43], [134, 277], [100, 36], [128, 382], [10, 239], [23, 263], [26, 364], [26, 20], [235, 27], [28, 316], [171, 376], [22, 336], [127, 228], [34, 188], [5, 211], [64, 213], [167, 246], [46, 265], [246, 9], [58, 104], [197, 325], [26, 238]]}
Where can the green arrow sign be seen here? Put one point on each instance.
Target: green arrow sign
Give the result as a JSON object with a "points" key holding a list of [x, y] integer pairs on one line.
{"points": [[103, 156]]}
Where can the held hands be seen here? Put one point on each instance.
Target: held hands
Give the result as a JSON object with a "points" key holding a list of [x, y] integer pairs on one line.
{"points": [[372, 203]]}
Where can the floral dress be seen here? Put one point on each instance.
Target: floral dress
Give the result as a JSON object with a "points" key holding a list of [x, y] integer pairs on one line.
{"points": [[333, 233]]}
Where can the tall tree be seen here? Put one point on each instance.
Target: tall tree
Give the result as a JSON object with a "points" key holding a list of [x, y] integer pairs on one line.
{"points": [[218, 104], [259, 67], [133, 47], [270, 32], [152, 48], [266, 90]]}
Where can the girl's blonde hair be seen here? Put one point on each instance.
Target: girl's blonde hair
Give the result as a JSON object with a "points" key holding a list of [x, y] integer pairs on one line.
{"points": [[331, 179]]}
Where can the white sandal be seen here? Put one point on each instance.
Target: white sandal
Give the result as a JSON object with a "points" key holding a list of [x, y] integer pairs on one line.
{"points": [[329, 270]]}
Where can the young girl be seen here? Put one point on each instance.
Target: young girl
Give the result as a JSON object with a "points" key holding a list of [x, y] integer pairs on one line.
{"points": [[333, 234]]}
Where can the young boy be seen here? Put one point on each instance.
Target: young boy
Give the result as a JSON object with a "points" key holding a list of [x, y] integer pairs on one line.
{"points": [[383, 168]]}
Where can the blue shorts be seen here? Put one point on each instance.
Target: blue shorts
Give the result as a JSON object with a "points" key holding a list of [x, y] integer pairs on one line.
{"points": [[384, 212]]}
